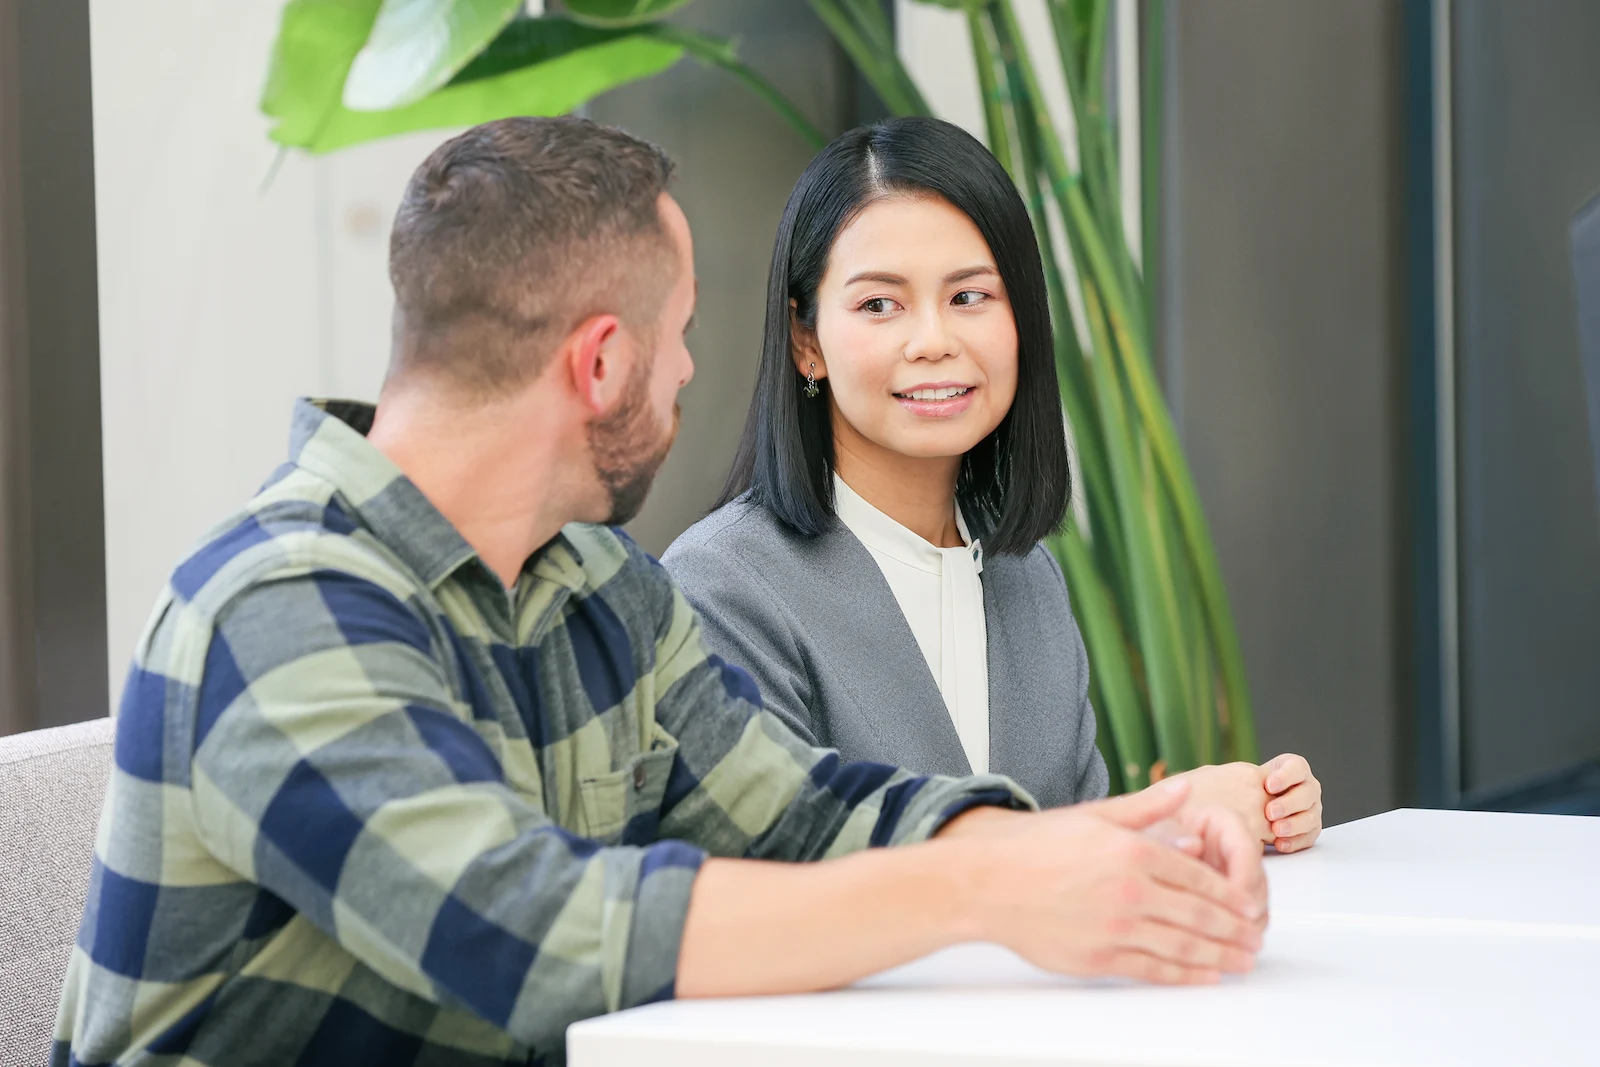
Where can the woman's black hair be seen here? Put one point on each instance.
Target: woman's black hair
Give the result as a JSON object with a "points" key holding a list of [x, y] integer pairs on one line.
{"points": [[1014, 485]]}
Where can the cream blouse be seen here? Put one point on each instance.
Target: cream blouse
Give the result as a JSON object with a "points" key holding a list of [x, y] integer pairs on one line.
{"points": [[941, 596]]}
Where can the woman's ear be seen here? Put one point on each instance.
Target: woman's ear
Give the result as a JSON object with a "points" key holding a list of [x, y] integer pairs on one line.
{"points": [[803, 347]]}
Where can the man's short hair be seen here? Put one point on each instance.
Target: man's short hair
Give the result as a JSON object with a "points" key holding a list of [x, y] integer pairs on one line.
{"points": [[512, 234]]}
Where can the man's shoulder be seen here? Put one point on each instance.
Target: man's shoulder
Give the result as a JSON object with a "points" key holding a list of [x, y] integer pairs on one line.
{"points": [[613, 561], [298, 524]]}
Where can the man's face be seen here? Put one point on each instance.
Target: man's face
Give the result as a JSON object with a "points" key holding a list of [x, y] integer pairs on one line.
{"points": [[631, 442]]}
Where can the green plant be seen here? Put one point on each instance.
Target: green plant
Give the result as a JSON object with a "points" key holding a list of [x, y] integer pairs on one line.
{"points": [[1166, 676]]}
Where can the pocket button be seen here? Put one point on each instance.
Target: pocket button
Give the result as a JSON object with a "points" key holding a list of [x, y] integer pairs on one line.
{"points": [[638, 777]]}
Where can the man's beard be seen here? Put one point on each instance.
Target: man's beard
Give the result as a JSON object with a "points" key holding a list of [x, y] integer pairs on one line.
{"points": [[629, 446]]}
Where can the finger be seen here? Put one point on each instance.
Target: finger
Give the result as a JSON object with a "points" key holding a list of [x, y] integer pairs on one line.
{"points": [[1297, 844], [1285, 771], [1174, 834], [1232, 847], [1296, 825], [1146, 807], [1131, 963], [1202, 880], [1199, 917], [1188, 949], [1302, 797]]}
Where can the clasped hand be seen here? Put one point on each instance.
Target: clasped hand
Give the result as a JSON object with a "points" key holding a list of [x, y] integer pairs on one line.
{"points": [[1280, 801], [1087, 890]]}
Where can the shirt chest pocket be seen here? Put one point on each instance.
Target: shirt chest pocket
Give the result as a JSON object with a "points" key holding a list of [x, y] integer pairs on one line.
{"points": [[624, 806]]}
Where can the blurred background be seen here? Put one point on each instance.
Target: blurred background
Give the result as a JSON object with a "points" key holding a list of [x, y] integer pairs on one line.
{"points": [[1366, 319]]}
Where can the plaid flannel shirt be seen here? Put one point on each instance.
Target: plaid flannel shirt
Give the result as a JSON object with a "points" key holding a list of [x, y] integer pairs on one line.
{"points": [[371, 807]]}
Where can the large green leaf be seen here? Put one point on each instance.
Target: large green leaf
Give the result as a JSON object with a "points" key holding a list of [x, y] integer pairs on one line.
{"points": [[616, 13], [418, 45], [317, 40], [543, 66]]}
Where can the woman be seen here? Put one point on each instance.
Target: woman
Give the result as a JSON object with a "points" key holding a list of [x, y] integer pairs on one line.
{"points": [[875, 558]]}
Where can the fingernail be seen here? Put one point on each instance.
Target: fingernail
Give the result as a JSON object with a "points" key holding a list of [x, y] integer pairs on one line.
{"points": [[1274, 811]]}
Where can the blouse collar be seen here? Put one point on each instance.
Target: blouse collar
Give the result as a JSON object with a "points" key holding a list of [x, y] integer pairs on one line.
{"points": [[881, 533]]}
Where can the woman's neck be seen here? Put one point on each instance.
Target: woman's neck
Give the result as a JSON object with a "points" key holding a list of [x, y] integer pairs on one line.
{"points": [[918, 493]]}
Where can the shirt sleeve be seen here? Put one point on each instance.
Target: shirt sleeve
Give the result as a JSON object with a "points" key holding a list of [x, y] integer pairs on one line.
{"points": [[742, 626], [743, 784], [333, 767]]}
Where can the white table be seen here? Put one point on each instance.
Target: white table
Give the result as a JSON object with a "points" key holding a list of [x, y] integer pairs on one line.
{"points": [[1531, 874], [1414, 938]]}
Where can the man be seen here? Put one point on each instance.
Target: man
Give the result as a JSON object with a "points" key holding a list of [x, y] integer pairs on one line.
{"points": [[413, 766]]}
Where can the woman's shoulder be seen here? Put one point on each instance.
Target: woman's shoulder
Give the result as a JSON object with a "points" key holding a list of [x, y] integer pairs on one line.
{"points": [[741, 531], [1036, 564], [1033, 577]]}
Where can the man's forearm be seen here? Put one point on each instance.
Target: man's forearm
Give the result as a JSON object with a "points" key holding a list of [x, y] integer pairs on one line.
{"points": [[762, 928]]}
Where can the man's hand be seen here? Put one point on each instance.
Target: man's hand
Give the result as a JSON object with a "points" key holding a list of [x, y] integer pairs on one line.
{"points": [[1083, 890], [1280, 801]]}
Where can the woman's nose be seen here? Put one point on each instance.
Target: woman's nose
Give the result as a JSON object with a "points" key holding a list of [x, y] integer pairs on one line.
{"points": [[931, 338]]}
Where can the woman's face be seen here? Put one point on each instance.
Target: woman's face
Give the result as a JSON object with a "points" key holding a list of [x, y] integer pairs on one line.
{"points": [[914, 332]]}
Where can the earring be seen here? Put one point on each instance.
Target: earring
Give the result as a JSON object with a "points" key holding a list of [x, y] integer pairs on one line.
{"points": [[811, 383]]}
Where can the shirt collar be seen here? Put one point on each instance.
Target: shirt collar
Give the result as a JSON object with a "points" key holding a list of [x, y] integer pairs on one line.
{"points": [[328, 439], [879, 532]]}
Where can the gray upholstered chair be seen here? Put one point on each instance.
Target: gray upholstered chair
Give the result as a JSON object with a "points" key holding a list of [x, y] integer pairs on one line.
{"points": [[51, 785]]}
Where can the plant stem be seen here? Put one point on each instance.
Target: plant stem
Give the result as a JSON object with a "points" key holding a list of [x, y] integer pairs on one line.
{"points": [[718, 53], [880, 65], [1153, 102], [1156, 641], [994, 105]]}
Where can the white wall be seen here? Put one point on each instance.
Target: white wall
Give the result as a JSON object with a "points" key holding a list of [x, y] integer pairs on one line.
{"points": [[220, 300]]}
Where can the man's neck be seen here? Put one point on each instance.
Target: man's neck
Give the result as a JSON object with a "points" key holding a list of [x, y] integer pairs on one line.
{"points": [[493, 479], [918, 493]]}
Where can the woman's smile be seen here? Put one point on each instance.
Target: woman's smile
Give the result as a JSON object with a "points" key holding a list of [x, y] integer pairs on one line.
{"points": [[941, 400]]}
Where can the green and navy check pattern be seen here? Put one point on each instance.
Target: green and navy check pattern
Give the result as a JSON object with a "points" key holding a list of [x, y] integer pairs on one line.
{"points": [[371, 807]]}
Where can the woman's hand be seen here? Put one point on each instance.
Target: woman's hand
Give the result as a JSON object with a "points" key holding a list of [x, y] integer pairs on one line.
{"points": [[1294, 809], [1238, 787], [1280, 801]]}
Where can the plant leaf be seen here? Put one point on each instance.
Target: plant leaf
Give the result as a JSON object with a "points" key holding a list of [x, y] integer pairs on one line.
{"points": [[720, 52], [1132, 743], [541, 66], [619, 13], [316, 42], [418, 45]]}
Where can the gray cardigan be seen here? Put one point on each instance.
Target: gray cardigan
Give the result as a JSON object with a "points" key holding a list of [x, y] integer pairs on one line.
{"points": [[814, 621]]}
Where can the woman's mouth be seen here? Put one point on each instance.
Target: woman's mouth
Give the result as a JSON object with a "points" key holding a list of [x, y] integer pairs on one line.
{"points": [[936, 401]]}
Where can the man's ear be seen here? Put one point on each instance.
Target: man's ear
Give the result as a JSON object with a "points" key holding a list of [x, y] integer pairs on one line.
{"points": [[594, 360], [803, 347]]}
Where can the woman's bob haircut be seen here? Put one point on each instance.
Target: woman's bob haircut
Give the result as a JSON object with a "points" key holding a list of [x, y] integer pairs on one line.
{"points": [[1014, 485]]}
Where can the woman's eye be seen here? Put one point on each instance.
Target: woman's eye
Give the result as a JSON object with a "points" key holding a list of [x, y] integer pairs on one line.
{"points": [[968, 297], [878, 305]]}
